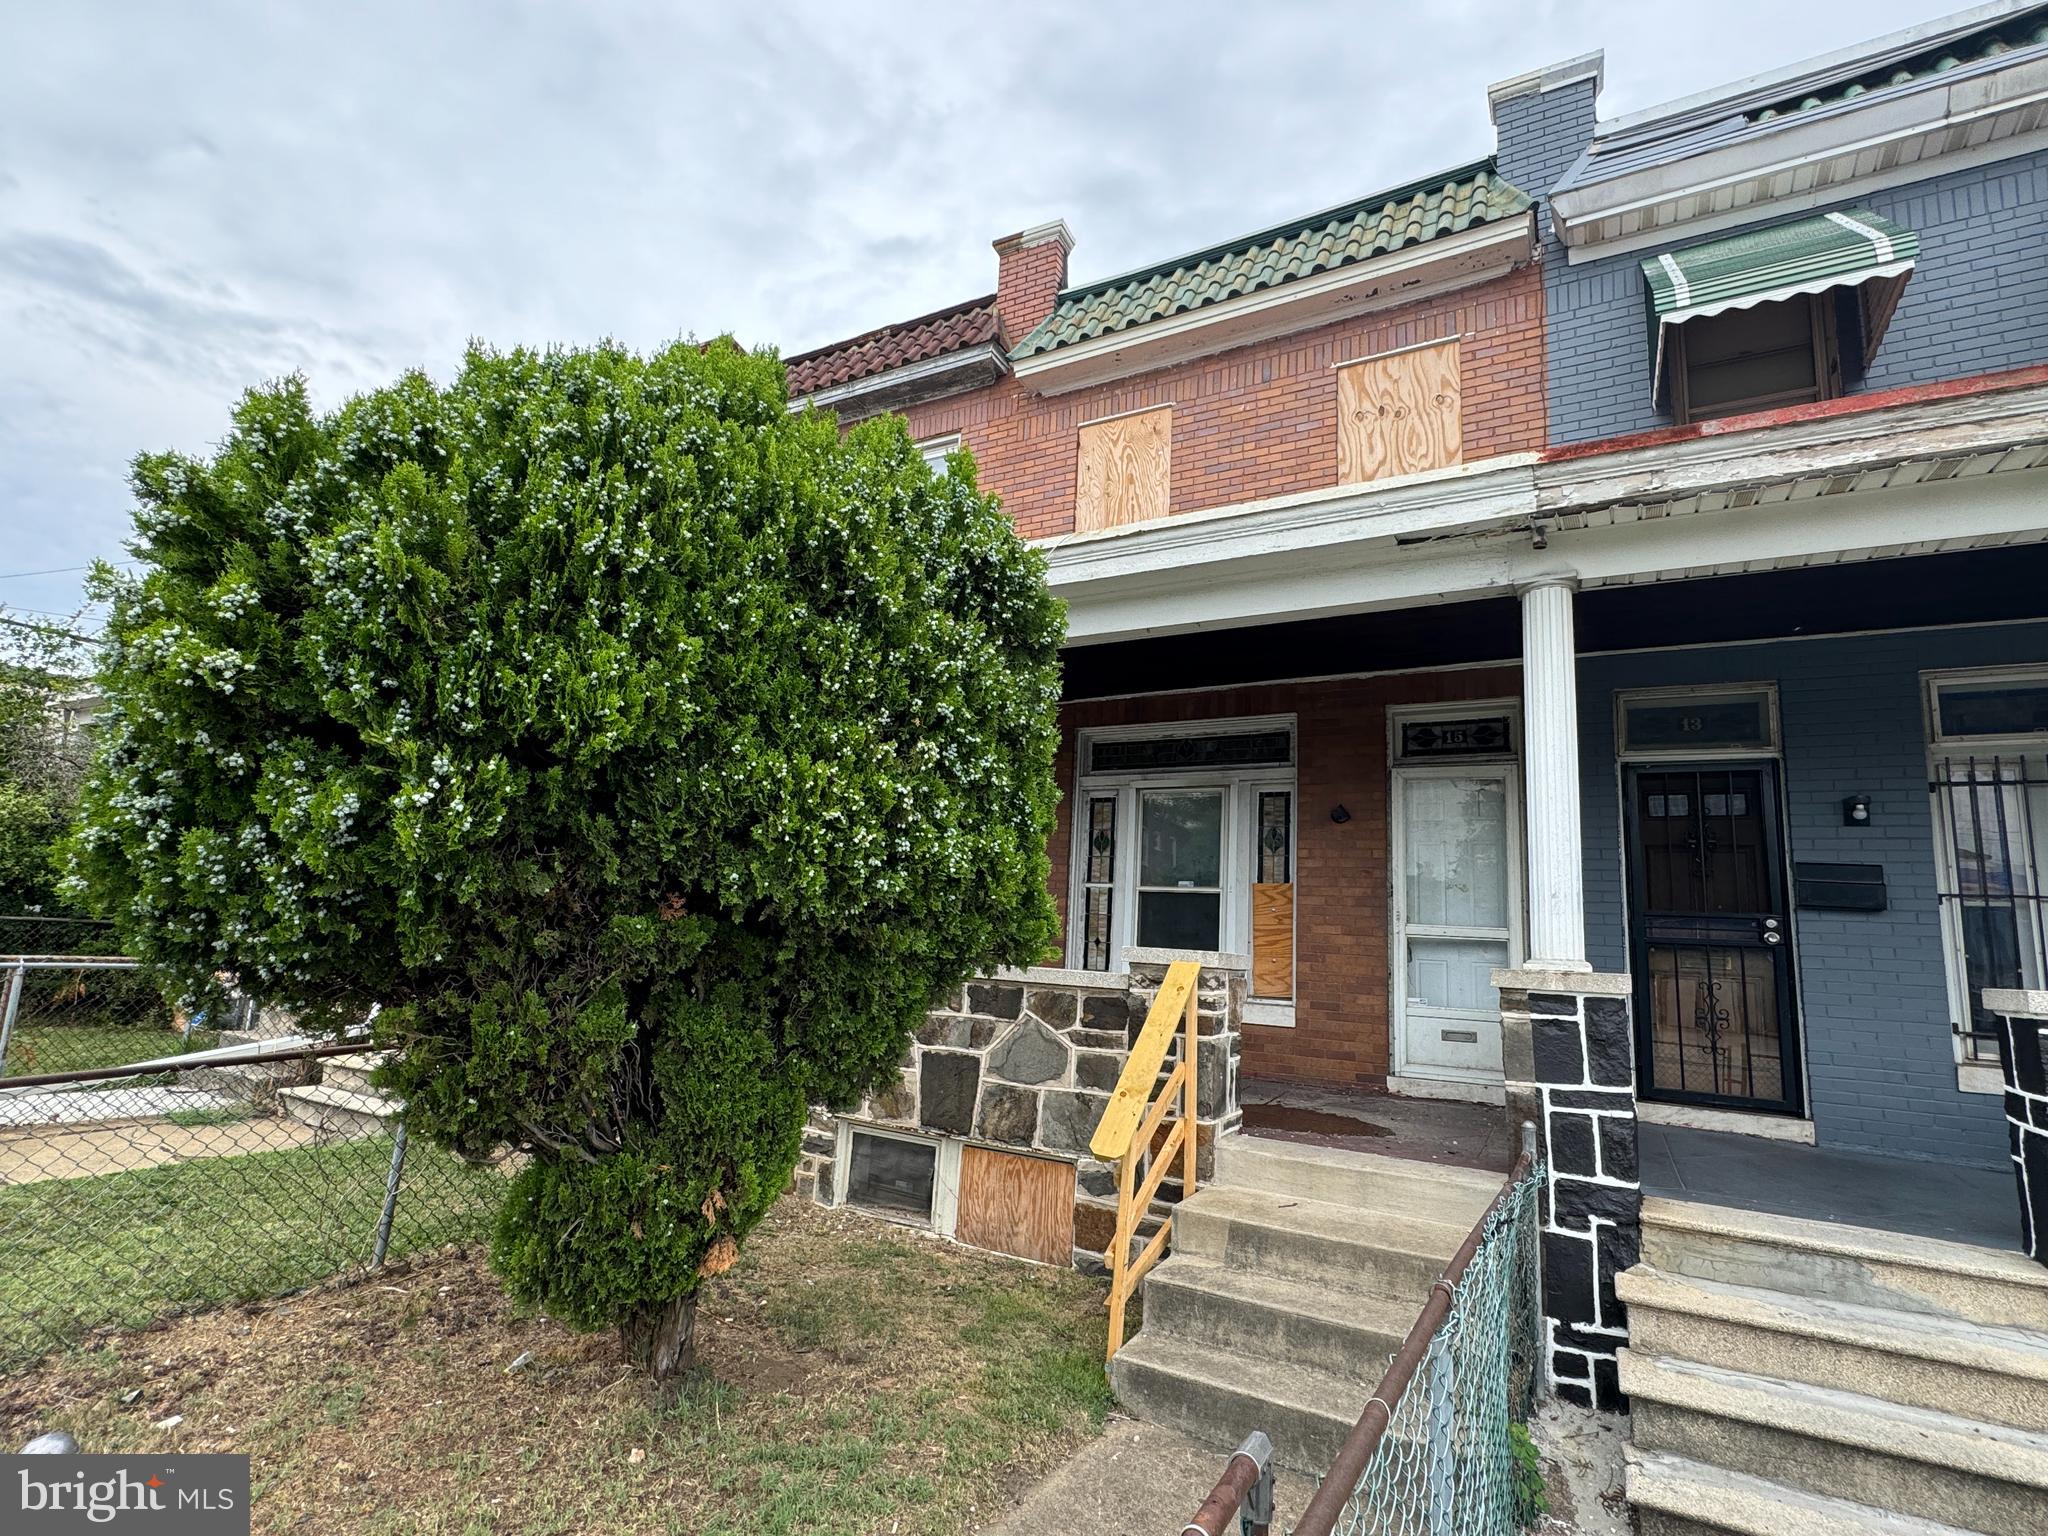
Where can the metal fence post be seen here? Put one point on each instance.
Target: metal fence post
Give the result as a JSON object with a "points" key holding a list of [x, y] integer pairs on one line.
{"points": [[1440, 1437], [390, 1198], [17, 978]]}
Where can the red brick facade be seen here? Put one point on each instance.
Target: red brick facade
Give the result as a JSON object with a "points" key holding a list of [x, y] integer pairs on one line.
{"points": [[1341, 1011], [1261, 420], [1256, 422]]}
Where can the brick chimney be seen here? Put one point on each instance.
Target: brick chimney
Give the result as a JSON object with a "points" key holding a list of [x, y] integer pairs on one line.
{"points": [[1031, 269]]}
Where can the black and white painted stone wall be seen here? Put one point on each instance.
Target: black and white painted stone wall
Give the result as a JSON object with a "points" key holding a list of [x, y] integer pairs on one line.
{"points": [[2023, 1030], [1026, 1061], [1570, 1056]]}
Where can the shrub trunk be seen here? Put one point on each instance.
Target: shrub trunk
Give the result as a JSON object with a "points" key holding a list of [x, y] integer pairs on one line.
{"points": [[661, 1337]]}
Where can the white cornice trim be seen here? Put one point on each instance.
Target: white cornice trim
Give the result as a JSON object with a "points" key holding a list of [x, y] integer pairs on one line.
{"points": [[1453, 534], [1463, 495], [1486, 251], [922, 371], [1788, 78], [1785, 165], [1987, 153]]}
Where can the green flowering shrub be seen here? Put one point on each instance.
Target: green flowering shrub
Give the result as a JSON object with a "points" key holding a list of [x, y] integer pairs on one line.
{"points": [[652, 756]]}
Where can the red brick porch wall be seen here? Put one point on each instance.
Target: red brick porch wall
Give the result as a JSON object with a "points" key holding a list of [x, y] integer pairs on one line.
{"points": [[1341, 1005]]}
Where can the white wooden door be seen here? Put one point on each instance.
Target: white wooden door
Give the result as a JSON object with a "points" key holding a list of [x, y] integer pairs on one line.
{"points": [[1457, 915]]}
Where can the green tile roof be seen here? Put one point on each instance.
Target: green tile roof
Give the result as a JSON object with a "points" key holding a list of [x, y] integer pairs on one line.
{"points": [[1338, 237], [2029, 30]]}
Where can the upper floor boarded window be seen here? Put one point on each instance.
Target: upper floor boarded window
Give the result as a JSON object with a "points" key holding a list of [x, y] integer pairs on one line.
{"points": [[1126, 471], [1399, 413]]}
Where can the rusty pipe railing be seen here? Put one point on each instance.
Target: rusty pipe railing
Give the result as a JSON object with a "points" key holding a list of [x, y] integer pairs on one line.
{"points": [[1246, 1483], [1363, 1443]]}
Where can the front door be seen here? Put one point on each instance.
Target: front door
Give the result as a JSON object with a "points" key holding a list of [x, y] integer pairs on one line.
{"points": [[1710, 938], [1457, 917]]}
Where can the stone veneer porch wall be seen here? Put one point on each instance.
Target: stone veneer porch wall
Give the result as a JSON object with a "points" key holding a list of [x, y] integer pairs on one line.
{"points": [[1025, 1061]]}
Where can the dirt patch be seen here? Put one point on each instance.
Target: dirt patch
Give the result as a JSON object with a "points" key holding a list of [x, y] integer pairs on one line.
{"points": [[857, 1378]]}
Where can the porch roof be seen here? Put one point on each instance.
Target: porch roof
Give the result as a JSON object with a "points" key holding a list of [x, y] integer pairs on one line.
{"points": [[1676, 505]]}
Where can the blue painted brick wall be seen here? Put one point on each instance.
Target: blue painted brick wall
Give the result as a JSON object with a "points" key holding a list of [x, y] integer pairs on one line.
{"points": [[1873, 989], [1977, 301]]}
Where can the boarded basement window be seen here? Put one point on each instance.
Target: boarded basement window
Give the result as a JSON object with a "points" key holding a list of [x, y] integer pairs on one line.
{"points": [[1400, 413], [1022, 1206], [1125, 473], [886, 1173]]}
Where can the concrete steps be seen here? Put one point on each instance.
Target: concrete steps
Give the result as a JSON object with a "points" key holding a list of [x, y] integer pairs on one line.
{"points": [[1891, 1270], [1397, 1185], [340, 1112], [1315, 1241], [1248, 1313], [1806, 1377], [1292, 1281], [1676, 1497], [1841, 1445], [1996, 1374], [352, 1072]]}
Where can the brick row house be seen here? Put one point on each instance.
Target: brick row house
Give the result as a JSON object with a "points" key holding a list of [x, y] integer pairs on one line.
{"points": [[1568, 633]]}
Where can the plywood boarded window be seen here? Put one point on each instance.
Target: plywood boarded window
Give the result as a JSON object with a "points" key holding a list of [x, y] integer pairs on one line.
{"points": [[1125, 472], [1399, 414], [1273, 897], [1017, 1205]]}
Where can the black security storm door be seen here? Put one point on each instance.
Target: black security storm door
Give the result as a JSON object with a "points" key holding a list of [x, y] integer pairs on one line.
{"points": [[1711, 945]]}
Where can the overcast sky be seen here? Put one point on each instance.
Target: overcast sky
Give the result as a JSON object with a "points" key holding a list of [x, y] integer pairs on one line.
{"points": [[197, 197]]}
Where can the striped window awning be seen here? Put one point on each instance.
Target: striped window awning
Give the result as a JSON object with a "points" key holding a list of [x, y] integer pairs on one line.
{"points": [[1856, 249]]}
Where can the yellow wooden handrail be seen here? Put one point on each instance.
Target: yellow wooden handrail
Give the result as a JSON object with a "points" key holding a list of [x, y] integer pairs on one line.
{"points": [[1130, 1127]]}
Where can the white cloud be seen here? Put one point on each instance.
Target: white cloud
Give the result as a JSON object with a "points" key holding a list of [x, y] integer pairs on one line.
{"points": [[196, 198]]}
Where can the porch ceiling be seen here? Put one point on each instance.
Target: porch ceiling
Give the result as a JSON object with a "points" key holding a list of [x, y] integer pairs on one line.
{"points": [[1930, 591]]}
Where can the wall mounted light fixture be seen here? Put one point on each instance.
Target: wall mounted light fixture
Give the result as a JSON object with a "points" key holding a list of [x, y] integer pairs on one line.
{"points": [[1339, 815], [1856, 811]]}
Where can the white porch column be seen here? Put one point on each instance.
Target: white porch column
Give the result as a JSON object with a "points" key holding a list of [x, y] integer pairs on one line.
{"points": [[1550, 769]]}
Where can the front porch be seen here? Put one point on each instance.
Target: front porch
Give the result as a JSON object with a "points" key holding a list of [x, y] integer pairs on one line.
{"points": [[1914, 1196]]}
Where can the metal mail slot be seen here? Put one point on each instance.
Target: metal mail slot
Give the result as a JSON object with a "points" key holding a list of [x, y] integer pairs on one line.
{"points": [[1461, 1037], [1840, 887]]}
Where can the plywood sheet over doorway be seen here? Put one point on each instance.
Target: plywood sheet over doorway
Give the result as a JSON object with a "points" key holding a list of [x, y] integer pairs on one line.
{"points": [[1023, 1206], [1399, 414]]}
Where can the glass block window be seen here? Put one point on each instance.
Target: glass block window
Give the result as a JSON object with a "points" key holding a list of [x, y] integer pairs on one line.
{"points": [[1098, 892], [1275, 853], [885, 1173]]}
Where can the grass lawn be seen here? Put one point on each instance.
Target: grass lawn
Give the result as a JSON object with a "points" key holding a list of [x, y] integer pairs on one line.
{"points": [[128, 1248], [855, 1379], [36, 1048]]}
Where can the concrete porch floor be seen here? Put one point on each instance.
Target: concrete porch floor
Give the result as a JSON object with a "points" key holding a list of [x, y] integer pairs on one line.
{"points": [[1427, 1130], [1861, 1189]]}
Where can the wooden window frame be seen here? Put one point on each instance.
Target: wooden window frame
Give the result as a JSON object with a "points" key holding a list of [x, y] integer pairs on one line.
{"points": [[1827, 367]]}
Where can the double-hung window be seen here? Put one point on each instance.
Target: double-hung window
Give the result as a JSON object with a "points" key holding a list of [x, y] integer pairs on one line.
{"points": [[1184, 839], [1988, 779]]}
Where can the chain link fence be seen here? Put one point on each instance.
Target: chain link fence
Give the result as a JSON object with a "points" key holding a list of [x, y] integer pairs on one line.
{"points": [[1447, 1464], [207, 1164]]}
